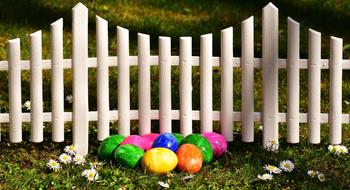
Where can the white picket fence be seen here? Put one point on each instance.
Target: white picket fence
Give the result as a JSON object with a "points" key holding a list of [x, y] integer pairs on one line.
{"points": [[270, 64]]}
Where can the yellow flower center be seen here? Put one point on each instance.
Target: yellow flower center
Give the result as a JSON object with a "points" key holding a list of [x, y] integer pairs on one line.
{"points": [[286, 165], [91, 175], [71, 148], [54, 164], [271, 168]]}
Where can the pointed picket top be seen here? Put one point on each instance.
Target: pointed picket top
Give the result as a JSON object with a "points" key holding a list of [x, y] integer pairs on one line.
{"points": [[100, 19], [35, 34], [270, 6], [336, 38], [314, 32], [229, 29], [58, 22], [207, 35], [292, 21], [142, 35], [122, 29], [14, 41], [248, 20], [79, 6]]}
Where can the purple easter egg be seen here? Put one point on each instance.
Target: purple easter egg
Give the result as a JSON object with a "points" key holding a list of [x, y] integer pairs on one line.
{"points": [[136, 140], [217, 141], [148, 140]]}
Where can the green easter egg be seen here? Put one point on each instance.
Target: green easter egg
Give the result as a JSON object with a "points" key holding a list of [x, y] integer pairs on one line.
{"points": [[203, 145], [108, 145], [128, 155], [179, 137]]}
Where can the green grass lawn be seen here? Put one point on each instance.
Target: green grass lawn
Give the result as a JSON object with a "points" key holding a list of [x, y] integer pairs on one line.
{"points": [[23, 165]]}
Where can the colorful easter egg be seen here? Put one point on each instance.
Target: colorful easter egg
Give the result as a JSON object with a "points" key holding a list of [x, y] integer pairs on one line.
{"points": [[159, 161], [136, 140], [108, 145], [128, 155], [148, 140], [179, 137], [166, 140], [190, 158], [217, 141], [203, 145]]}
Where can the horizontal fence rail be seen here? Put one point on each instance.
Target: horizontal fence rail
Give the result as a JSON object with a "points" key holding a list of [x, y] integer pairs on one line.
{"points": [[270, 64], [112, 61]]}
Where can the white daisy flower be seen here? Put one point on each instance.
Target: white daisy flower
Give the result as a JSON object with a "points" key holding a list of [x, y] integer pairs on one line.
{"points": [[339, 149], [65, 158], [79, 160], [69, 99], [95, 164], [312, 173], [265, 177], [27, 105], [71, 149], [53, 165], [287, 166], [331, 148], [273, 146], [272, 169], [321, 177], [260, 127], [187, 177], [90, 174], [163, 184]]}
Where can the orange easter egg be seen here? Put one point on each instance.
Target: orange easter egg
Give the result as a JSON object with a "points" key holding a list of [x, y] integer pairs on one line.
{"points": [[190, 158]]}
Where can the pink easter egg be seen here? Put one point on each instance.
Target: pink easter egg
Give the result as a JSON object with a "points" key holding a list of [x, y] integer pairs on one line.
{"points": [[217, 141], [136, 140], [148, 140]]}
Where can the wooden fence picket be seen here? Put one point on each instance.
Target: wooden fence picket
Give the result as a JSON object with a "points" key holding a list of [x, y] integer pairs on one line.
{"points": [[185, 62], [270, 74], [102, 78], [36, 88], [57, 86], [206, 83], [164, 62], [80, 78], [247, 106], [335, 93], [314, 87], [144, 83], [293, 81], [15, 97]]}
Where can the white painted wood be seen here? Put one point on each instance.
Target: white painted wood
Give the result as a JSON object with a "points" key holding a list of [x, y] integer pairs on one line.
{"points": [[80, 78], [226, 104], [314, 87], [293, 49], [57, 86], [247, 106], [36, 88], [185, 85], [270, 74], [175, 115], [164, 84], [144, 83], [335, 92], [102, 78], [174, 60], [15, 102], [206, 83], [123, 81]]}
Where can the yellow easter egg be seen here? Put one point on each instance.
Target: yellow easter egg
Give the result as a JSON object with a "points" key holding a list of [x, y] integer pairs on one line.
{"points": [[159, 160]]}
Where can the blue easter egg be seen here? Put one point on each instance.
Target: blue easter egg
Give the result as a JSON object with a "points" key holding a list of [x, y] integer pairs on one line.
{"points": [[166, 140]]}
